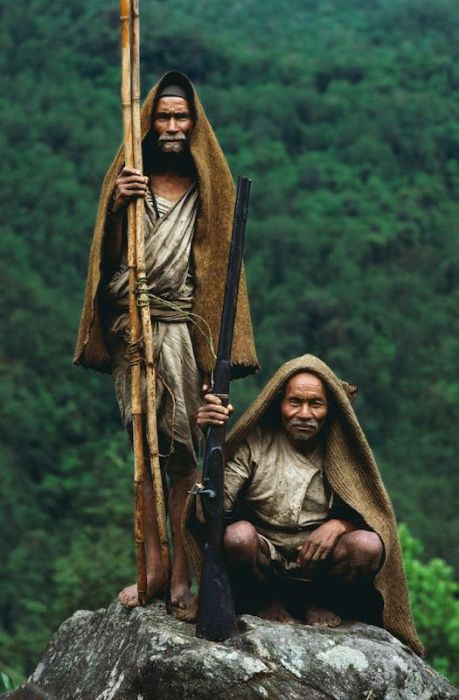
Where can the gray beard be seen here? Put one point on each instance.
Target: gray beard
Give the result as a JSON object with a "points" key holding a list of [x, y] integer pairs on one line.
{"points": [[311, 423], [158, 161], [181, 139]]}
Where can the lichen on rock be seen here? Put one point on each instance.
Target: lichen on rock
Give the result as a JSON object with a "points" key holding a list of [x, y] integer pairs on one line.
{"points": [[145, 654]]}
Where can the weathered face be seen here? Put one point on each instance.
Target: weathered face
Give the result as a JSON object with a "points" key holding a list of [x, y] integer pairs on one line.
{"points": [[172, 123], [304, 406]]}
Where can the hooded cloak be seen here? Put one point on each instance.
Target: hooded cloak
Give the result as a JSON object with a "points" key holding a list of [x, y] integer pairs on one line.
{"points": [[210, 249], [351, 470]]}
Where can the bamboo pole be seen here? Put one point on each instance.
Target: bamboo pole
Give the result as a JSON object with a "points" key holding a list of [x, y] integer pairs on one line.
{"points": [[134, 320], [144, 304]]}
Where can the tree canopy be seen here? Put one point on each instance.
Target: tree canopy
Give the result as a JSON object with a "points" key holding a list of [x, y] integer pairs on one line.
{"points": [[346, 117]]}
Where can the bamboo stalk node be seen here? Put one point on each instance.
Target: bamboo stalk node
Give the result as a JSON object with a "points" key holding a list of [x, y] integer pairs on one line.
{"points": [[134, 353], [142, 292]]}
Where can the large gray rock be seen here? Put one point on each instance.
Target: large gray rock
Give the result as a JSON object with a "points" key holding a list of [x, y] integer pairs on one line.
{"points": [[144, 654]]}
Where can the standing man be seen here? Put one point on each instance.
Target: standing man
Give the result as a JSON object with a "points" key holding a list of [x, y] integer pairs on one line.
{"points": [[189, 198]]}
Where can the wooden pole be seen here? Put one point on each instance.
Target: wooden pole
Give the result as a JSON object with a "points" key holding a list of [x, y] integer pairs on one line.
{"points": [[134, 320], [144, 304]]}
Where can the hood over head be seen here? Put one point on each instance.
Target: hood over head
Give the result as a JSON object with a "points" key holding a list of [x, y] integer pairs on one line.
{"points": [[265, 410], [175, 84]]}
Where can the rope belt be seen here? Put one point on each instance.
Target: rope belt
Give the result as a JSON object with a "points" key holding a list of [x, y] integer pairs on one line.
{"points": [[169, 312], [163, 309]]}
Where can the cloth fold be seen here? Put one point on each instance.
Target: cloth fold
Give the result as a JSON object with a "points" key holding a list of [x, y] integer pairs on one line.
{"points": [[168, 241]]}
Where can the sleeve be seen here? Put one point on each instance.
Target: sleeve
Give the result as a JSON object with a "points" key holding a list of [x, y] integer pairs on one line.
{"points": [[238, 471]]}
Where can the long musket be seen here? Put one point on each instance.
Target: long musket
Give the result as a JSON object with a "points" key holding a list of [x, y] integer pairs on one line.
{"points": [[141, 336], [216, 615]]}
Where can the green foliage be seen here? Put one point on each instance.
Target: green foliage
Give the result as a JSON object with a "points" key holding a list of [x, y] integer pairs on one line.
{"points": [[9, 679], [434, 599], [346, 117], [5, 682]]}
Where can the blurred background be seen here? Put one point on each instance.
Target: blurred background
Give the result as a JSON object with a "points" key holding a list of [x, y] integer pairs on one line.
{"points": [[346, 115]]}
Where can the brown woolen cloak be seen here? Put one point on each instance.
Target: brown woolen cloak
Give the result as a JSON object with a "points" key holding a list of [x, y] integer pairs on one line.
{"points": [[210, 250], [352, 472]]}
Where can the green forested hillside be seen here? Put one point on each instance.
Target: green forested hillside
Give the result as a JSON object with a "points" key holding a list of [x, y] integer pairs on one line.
{"points": [[346, 116]]}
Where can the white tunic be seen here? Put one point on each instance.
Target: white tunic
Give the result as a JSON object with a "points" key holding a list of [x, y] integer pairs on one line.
{"points": [[168, 241]]}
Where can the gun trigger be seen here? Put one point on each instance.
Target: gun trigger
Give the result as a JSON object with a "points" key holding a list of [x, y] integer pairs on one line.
{"points": [[200, 490]]}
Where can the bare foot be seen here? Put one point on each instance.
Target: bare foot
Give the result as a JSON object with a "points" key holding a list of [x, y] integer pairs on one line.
{"points": [[318, 617], [129, 598], [181, 595], [275, 611], [188, 614]]}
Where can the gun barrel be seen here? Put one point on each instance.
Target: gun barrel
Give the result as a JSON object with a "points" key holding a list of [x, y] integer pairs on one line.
{"points": [[234, 269]]}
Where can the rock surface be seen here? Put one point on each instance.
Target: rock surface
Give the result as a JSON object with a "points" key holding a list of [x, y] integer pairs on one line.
{"points": [[144, 654]]}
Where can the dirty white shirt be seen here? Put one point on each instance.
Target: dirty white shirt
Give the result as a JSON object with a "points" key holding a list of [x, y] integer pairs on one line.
{"points": [[285, 491]]}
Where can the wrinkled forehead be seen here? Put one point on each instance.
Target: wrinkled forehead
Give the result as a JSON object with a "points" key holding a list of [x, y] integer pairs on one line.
{"points": [[172, 104], [305, 383]]}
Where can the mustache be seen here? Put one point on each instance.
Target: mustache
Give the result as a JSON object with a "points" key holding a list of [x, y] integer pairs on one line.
{"points": [[307, 423], [176, 137]]}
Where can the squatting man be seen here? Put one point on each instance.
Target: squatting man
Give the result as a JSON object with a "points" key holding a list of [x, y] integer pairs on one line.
{"points": [[311, 531]]}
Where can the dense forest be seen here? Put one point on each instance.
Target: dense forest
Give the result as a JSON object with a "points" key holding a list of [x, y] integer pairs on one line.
{"points": [[346, 116]]}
